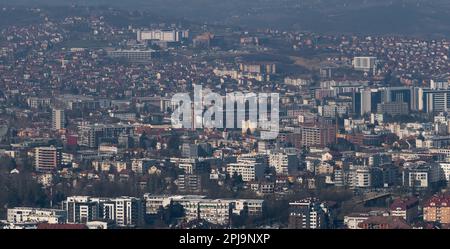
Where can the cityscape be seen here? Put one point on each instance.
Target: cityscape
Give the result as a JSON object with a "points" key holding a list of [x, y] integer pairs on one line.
{"points": [[326, 128]]}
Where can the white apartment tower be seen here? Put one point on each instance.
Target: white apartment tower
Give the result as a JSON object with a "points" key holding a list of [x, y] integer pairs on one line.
{"points": [[58, 119]]}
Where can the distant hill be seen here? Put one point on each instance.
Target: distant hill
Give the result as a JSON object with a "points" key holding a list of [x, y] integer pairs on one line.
{"points": [[407, 17]]}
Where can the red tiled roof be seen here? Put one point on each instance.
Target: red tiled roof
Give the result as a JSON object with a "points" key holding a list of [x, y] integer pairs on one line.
{"points": [[385, 222], [404, 203], [438, 200], [61, 226]]}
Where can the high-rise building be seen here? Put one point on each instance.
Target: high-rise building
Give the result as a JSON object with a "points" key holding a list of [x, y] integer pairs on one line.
{"points": [[124, 211], [435, 101], [284, 162], [421, 174], [47, 158], [308, 213], [58, 119], [360, 176], [445, 171], [366, 101], [417, 99], [439, 84], [81, 209], [399, 94], [318, 135]]}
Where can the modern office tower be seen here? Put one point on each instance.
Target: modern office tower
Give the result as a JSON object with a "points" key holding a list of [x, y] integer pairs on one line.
{"points": [[399, 94], [366, 64], [435, 101], [58, 119], [417, 99], [439, 84], [366, 101], [47, 158]]}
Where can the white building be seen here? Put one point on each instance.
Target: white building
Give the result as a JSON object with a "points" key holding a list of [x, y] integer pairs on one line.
{"points": [[366, 64], [97, 225], [284, 162], [122, 211], [352, 221], [154, 202], [249, 170], [308, 213], [254, 207], [81, 209], [140, 165], [421, 174], [360, 177], [128, 211], [215, 211], [58, 119], [20, 215], [445, 171], [166, 35]]}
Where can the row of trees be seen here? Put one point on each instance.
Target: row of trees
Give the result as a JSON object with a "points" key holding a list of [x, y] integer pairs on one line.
{"points": [[19, 189]]}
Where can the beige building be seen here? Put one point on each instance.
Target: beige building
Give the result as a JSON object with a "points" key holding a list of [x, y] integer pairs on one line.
{"points": [[437, 209]]}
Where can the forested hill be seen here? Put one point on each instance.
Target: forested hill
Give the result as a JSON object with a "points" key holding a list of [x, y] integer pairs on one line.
{"points": [[409, 17]]}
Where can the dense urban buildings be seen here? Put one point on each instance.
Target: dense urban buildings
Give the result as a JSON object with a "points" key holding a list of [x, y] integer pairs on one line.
{"points": [[88, 99]]}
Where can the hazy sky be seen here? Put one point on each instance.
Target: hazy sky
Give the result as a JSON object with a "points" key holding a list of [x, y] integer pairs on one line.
{"points": [[429, 17]]}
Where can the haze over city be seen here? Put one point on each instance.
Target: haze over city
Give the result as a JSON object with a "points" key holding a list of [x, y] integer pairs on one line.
{"points": [[237, 114]]}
